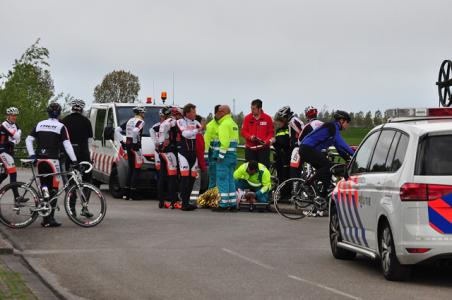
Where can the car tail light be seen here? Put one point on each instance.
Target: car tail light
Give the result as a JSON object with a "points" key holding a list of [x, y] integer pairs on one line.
{"points": [[417, 250], [423, 192]]}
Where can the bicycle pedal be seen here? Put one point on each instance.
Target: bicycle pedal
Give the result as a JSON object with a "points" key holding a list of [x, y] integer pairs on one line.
{"points": [[57, 208]]}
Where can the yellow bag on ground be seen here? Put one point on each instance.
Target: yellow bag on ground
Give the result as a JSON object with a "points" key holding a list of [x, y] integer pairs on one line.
{"points": [[210, 198]]}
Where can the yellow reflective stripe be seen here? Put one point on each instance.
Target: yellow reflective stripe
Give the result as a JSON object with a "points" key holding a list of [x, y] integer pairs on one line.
{"points": [[285, 132], [254, 184]]}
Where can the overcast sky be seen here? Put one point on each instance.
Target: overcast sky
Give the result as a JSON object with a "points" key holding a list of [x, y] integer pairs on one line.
{"points": [[352, 54]]}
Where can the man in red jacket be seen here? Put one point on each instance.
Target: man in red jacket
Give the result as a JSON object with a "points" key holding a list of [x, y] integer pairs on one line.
{"points": [[257, 129]]}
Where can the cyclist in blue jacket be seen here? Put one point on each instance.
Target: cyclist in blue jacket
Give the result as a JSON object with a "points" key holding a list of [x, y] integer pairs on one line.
{"points": [[322, 138]]}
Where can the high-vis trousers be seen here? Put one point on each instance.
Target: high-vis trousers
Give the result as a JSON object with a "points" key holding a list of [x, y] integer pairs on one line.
{"points": [[225, 179]]}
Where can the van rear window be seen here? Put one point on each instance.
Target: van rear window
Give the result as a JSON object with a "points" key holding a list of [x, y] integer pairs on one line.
{"points": [[435, 157]]}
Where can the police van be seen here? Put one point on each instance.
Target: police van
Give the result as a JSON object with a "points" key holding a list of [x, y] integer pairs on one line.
{"points": [[109, 158], [395, 201]]}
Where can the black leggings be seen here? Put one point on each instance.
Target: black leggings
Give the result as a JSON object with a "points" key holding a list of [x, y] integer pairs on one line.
{"points": [[322, 165], [261, 155]]}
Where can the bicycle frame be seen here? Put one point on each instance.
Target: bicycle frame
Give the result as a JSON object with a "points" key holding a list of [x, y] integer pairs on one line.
{"points": [[74, 177]]}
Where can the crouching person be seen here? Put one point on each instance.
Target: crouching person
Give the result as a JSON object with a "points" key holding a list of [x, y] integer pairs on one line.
{"points": [[253, 179]]}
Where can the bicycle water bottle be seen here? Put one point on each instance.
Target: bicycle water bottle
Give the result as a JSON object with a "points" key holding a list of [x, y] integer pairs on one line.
{"points": [[45, 192]]}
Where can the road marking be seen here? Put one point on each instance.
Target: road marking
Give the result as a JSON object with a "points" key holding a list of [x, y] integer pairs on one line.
{"points": [[322, 286], [319, 285], [256, 262]]}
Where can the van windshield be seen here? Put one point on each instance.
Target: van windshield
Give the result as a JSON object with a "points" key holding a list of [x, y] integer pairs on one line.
{"points": [[151, 116], [434, 158]]}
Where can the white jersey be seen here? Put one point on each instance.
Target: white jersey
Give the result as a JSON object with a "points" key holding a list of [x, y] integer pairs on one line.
{"points": [[164, 129], [295, 127], [189, 128], [134, 130]]}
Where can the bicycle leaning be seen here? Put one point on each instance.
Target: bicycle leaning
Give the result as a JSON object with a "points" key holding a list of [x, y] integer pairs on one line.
{"points": [[84, 203], [296, 198]]}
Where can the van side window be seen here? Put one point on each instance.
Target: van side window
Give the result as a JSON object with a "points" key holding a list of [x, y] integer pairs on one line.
{"points": [[364, 154], [110, 119], [100, 121], [378, 163], [400, 153]]}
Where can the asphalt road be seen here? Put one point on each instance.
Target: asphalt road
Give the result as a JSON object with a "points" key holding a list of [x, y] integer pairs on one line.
{"points": [[142, 252]]}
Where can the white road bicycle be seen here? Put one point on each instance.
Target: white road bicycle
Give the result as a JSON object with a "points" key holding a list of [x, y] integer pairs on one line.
{"points": [[21, 203]]}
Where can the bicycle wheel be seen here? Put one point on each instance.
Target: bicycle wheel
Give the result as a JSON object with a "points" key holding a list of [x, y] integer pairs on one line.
{"points": [[293, 198], [21, 211], [85, 205]]}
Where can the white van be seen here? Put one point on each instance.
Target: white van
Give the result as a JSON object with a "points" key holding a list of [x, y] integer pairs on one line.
{"points": [[109, 160]]}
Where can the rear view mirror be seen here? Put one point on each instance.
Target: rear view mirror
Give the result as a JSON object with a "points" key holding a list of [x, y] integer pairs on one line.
{"points": [[109, 133], [340, 170]]}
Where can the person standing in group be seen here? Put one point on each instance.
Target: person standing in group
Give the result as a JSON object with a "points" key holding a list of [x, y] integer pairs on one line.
{"points": [[281, 143], [167, 148], [212, 149], [9, 137], [81, 133], [200, 150], [134, 131], [154, 133], [257, 129], [186, 153], [228, 136], [296, 162], [51, 136]]}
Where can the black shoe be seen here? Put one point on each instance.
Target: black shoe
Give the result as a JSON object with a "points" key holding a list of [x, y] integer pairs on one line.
{"points": [[85, 212], [233, 209], [189, 207], [220, 209], [21, 199], [50, 223], [161, 204]]}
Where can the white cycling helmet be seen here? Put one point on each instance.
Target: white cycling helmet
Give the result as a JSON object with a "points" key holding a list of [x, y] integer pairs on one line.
{"points": [[77, 104], [139, 109], [12, 110]]}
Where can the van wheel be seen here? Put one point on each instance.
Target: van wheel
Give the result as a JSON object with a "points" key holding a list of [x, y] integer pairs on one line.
{"points": [[392, 269], [113, 185], [336, 237]]}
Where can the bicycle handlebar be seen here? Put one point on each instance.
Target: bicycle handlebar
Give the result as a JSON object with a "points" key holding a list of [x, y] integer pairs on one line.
{"points": [[87, 164]]}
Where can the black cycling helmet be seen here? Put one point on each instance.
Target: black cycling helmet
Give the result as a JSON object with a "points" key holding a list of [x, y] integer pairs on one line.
{"points": [[284, 113], [139, 110], [340, 114], [54, 110], [165, 111]]}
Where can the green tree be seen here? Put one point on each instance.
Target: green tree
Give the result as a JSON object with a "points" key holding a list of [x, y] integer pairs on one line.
{"points": [[28, 86], [368, 122], [117, 86], [239, 119], [378, 119]]}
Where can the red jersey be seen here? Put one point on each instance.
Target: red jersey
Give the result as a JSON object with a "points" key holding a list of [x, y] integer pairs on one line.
{"points": [[200, 152], [262, 128]]}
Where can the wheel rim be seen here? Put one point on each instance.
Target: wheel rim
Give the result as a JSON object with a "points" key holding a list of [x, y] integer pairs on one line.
{"points": [[334, 231], [292, 207], [386, 249]]}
